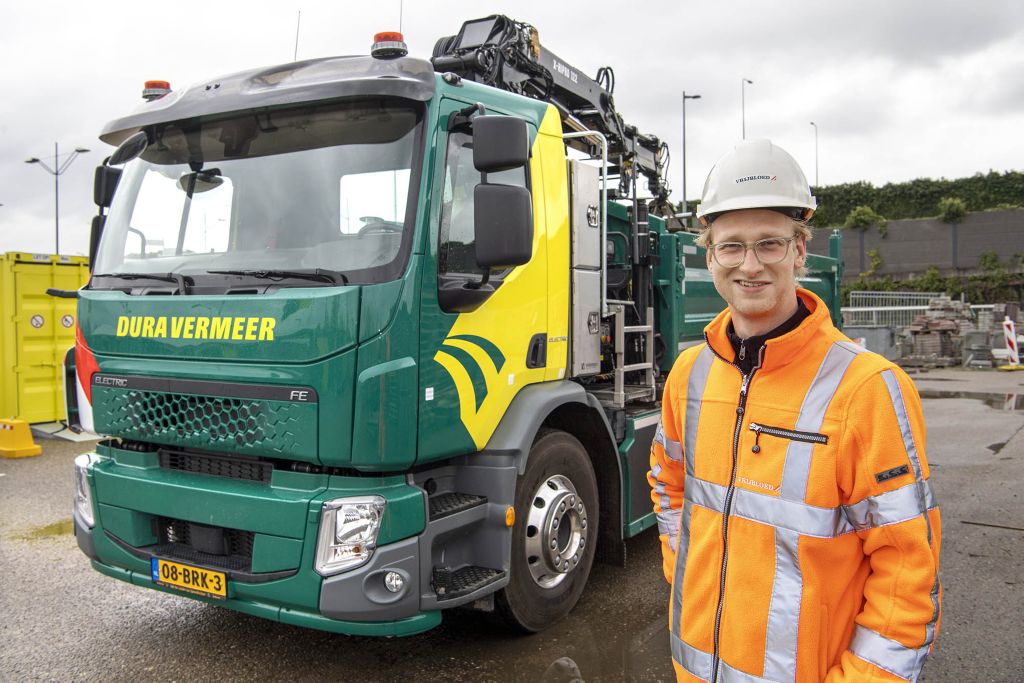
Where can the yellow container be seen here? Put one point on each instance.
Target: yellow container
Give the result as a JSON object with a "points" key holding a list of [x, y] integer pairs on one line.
{"points": [[37, 330]]}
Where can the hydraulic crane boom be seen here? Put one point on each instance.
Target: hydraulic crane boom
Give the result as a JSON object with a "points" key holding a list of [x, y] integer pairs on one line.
{"points": [[507, 54]]}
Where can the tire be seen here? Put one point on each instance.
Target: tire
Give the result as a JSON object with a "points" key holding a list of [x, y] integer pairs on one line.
{"points": [[556, 502]]}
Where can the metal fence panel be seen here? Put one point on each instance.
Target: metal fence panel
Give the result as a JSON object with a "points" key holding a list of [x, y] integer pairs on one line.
{"points": [[898, 309], [891, 299]]}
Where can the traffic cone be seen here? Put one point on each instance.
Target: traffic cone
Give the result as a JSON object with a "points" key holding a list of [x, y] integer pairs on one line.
{"points": [[16, 439]]}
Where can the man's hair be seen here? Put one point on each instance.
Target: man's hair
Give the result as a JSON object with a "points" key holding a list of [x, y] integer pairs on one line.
{"points": [[800, 228]]}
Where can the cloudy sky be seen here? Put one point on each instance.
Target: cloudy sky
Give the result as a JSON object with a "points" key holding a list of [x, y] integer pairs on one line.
{"points": [[899, 89]]}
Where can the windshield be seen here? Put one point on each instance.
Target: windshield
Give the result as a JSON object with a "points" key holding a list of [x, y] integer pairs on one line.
{"points": [[328, 187]]}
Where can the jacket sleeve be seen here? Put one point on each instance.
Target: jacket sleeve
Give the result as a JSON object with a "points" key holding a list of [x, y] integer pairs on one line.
{"points": [[888, 498], [666, 480]]}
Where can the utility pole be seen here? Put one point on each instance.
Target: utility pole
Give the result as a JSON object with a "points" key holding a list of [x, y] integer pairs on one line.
{"points": [[815, 153], [685, 97], [743, 103], [58, 169]]}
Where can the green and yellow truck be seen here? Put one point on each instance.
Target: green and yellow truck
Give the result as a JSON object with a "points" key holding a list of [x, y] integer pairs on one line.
{"points": [[373, 337]]}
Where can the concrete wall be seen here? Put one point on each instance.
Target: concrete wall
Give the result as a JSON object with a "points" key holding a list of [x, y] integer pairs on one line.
{"points": [[913, 245]]}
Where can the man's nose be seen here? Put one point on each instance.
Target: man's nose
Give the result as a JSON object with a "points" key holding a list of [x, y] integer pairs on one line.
{"points": [[750, 262]]}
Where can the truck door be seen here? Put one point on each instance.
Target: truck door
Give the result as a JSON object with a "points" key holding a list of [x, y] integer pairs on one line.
{"points": [[474, 361]]}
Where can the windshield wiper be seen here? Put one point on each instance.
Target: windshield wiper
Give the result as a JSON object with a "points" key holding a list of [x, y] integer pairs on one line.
{"points": [[177, 278], [320, 274]]}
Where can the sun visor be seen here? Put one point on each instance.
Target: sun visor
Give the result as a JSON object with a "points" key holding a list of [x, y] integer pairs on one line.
{"points": [[313, 80]]}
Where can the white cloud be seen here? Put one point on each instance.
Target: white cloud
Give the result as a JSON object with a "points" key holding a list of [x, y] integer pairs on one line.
{"points": [[899, 89]]}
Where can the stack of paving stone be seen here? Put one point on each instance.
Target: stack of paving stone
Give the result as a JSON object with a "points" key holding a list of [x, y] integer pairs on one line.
{"points": [[935, 338]]}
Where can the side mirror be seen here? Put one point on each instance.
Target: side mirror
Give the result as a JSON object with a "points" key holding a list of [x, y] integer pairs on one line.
{"points": [[103, 186], [94, 237], [503, 237], [503, 217], [500, 143]]}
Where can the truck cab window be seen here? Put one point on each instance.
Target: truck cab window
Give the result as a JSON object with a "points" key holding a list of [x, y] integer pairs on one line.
{"points": [[373, 201], [155, 229], [324, 186], [456, 254]]}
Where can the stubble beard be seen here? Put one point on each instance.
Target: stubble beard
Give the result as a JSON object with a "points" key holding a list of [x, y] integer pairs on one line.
{"points": [[753, 307]]}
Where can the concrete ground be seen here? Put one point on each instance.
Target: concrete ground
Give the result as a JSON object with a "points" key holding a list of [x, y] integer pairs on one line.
{"points": [[976, 450], [63, 621]]}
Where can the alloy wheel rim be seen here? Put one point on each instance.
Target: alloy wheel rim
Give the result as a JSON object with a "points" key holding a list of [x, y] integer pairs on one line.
{"points": [[556, 531]]}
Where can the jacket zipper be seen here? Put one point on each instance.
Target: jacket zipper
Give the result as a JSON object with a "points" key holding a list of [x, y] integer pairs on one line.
{"points": [[740, 410], [791, 434]]}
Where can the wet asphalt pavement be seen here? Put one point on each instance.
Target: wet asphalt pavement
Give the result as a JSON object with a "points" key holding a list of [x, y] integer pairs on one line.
{"points": [[63, 621]]}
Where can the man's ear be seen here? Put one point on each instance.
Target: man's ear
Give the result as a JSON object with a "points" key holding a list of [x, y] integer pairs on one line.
{"points": [[801, 250]]}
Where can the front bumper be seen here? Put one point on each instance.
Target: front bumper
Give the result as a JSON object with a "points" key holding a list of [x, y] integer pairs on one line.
{"points": [[283, 586], [350, 603]]}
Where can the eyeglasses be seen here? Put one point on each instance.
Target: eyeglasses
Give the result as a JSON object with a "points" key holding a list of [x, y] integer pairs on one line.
{"points": [[768, 251]]}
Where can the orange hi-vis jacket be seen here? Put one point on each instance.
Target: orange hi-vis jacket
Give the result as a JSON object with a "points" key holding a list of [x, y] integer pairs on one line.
{"points": [[798, 526]]}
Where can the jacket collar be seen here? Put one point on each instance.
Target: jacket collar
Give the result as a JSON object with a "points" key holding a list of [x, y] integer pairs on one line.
{"points": [[780, 350]]}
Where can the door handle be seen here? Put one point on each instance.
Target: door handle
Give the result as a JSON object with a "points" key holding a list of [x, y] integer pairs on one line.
{"points": [[537, 352]]}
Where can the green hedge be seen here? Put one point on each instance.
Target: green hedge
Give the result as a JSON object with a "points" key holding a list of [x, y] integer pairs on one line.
{"points": [[996, 281], [918, 198]]}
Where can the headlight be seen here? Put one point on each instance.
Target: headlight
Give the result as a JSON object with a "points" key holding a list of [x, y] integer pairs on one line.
{"points": [[83, 496], [348, 533]]}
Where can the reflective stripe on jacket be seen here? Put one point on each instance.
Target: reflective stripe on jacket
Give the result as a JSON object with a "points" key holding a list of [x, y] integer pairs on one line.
{"points": [[799, 530]]}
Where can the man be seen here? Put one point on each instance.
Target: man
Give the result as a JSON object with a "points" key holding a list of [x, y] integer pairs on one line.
{"points": [[798, 527]]}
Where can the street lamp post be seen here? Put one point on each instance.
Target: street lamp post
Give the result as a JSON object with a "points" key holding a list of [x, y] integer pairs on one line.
{"points": [[58, 169], [743, 103], [685, 97], [815, 153]]}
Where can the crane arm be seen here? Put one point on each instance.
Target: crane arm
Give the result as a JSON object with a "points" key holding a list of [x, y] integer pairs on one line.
{"points": [[507, 54]]}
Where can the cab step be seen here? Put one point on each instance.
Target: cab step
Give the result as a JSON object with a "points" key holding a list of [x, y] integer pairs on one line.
{"points": [[445, 504], [450, 584]]}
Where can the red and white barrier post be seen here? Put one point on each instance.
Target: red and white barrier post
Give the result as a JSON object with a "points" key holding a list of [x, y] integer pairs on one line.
{"points": [[1013, 357]]}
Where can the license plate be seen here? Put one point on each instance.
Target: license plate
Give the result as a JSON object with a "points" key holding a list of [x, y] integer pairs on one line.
{"points": [[191, 579]]}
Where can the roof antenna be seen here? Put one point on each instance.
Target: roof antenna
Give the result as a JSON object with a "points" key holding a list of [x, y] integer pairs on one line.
{"points": [[298, 21], [400, 3]]}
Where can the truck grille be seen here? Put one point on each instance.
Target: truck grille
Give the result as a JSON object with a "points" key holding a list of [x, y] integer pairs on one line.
{"points": [[246, 469], [239, 425], [151, 413], [204, 545]]}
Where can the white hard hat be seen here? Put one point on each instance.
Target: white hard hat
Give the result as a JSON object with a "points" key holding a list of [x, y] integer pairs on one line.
{"points": [[756, 175]]}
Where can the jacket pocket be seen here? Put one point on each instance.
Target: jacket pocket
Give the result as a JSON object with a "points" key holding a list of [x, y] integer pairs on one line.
{"points": [[783, 433]]}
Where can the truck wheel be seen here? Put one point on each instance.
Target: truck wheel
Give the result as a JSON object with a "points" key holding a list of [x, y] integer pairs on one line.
{"points": [[554, 536]]}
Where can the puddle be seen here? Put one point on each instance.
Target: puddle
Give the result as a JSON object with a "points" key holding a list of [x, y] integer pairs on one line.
{"points": [[618, 632], [997, 401], [64, 527], [585, 647]]}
